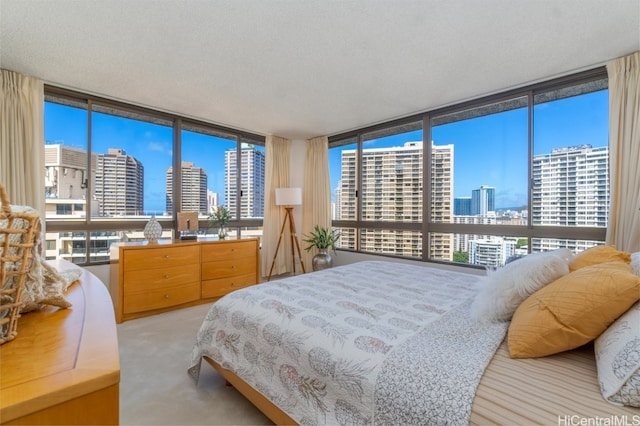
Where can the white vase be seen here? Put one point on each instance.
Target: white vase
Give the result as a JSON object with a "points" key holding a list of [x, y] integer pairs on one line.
{"points": [[152, 230]]}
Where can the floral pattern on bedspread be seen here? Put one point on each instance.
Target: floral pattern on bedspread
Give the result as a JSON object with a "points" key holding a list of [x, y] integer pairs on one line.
{"points": [[315, 344]]}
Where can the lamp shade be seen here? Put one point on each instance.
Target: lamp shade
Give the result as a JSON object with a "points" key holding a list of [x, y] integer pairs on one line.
{"points": [[288, 196]]}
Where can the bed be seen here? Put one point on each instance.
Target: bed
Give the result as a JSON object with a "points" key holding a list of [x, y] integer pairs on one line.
{"points": [[380, 342]]}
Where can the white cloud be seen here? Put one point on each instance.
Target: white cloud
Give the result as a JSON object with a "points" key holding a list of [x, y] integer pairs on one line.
{"points": [[156, 146]]}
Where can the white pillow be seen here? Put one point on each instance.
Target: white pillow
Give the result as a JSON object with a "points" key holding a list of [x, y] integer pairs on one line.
{"points": [[635, 262], [618, 359], [504, 289]]}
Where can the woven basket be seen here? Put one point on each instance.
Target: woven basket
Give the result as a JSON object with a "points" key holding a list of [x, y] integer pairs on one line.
{"points": [[17, 235]]}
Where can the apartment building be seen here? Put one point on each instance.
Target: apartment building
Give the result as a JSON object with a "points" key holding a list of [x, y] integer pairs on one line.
{"points": [[119, 184], [65, 180], [194, 188], [571, 188], [491, 251], [251, 197], [483, 200], [390, 191]]}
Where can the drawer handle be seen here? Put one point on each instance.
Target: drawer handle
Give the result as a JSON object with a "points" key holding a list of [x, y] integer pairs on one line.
{"points": [[166, 276], [233, 284], [234, 267], [233, 250], [166, 256], [166, 296]]}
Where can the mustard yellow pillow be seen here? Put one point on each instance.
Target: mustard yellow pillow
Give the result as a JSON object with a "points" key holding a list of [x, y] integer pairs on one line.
{"points": [[598, 254], [573, 310]]}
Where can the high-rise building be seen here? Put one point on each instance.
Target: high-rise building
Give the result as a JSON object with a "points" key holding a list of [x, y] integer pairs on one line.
{"points": [[193, 189], [66, 183], [571, 188], [119, 184], [461, 241], [492, 251], [397, 197], [483, 200], [213, 200], [336, 214], [251, 197], [65, 180], [442, 200], [462, 206], [390, 191]]}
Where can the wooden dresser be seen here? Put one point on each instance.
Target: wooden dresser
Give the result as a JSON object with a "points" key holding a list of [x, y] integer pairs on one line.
{"points": [[228, 266], [147, 279], [63, 367]]}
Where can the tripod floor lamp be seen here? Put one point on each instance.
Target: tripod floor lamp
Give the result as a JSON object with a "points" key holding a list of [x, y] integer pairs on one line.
{"points": [[288, 197]]}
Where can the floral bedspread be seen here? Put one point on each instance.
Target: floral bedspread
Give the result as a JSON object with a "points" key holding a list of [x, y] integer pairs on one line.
{"points": [[372, 342]]}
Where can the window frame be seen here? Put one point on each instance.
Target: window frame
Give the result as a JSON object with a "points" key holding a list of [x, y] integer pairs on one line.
{"points": [[426, 227], [88, 224]]}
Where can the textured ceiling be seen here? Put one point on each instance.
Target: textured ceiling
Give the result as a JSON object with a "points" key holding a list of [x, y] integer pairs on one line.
{"points": [[304, 68]]}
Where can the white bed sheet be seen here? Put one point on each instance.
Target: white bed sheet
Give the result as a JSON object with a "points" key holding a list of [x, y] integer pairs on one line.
{"points": [[337, 346]]}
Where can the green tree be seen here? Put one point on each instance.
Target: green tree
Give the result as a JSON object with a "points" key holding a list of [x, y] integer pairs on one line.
{"points": [[460, 257], [521, 242]]}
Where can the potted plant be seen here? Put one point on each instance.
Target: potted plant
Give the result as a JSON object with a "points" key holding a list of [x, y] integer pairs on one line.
{"points": [[219, 218], [322, 239]]}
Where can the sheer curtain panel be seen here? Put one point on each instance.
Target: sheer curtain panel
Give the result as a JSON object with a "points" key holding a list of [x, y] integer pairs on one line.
{"points": [[276, 175], [316, 192], [623, 230], [22, 139]]}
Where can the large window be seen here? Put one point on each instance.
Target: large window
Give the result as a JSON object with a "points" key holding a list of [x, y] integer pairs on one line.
{"points": [[479, 182], [479, 176], [131, 153], [378, 179], [570, 174], [116, 162]]}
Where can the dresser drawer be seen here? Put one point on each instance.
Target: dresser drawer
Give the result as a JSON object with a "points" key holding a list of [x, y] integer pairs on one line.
{"points": [[222, 286], [143, 280], [161, 257], [161, 297], [228, 250], [147, 279], [228, 268]]}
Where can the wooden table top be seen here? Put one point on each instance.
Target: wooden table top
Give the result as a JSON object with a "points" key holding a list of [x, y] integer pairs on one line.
{"points": [[60, 354]]}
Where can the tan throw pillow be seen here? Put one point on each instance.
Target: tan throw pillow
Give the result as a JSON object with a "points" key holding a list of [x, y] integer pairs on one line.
{"points": [[572, 310], [598, 254]]}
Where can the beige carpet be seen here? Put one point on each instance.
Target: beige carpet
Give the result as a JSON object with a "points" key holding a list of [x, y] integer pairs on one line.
{"points": [[154, 386]]}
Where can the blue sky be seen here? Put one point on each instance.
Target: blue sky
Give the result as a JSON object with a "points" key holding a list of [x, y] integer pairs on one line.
{"points": [[490, 150], [151, 144]]}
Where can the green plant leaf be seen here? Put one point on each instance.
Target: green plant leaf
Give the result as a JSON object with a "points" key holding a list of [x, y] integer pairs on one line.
{"points": [[321, 238]]}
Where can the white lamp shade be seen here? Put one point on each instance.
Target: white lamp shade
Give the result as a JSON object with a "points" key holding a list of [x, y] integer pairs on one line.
{"points": [[288, 196]]}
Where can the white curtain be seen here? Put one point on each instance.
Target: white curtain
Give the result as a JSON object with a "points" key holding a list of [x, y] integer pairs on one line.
{"points": [[277, 152], [22, 139], [316, 192], [623, 230]]}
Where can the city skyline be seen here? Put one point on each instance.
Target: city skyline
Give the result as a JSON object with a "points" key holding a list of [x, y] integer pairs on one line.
{"points": [[570, 189], [581, 120], [572, 121]]}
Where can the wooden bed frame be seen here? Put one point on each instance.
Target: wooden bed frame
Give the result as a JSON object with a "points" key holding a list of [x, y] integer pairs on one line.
{"points": [[267, 408]]}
